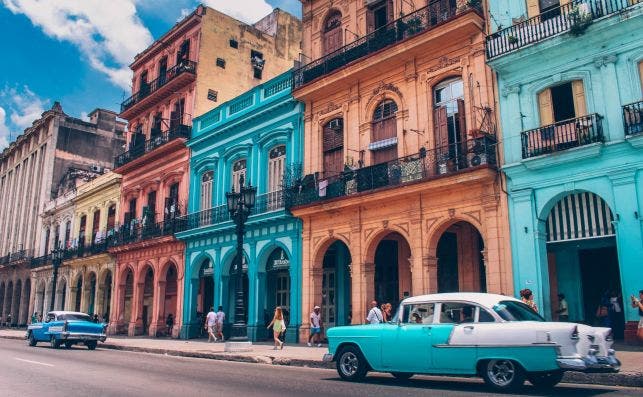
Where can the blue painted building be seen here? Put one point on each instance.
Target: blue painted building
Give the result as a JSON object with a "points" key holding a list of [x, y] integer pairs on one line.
{"points": [[257, 135], [570, 87]]}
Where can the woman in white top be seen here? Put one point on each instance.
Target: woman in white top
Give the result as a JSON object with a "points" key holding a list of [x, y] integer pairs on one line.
{"points": [[278, 327]]}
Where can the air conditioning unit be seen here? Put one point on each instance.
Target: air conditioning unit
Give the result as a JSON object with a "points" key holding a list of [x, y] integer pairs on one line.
{"points": [[96, 168]]}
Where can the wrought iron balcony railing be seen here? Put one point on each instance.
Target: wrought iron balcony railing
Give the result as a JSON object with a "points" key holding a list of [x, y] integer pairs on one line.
{"points": [[157, 140], [562, 135], [137, 232], [79, 251], [422, 166], [633, 118], [574, 16], [41, 261], [426, 18], [146, 90], [265, 203], [16, 256]]}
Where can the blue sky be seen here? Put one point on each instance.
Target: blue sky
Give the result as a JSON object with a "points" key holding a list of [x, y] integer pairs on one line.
{"points": [[77, 51]]}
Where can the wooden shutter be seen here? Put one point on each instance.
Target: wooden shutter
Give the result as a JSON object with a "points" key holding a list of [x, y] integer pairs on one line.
{"points": [[545, 107], [579, 98], [462, 123], [389, 11], [440, 127], [370, 21], [533, 9]]}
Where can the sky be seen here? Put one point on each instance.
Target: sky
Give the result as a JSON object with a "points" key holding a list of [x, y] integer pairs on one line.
{"points": [[77, 52]]}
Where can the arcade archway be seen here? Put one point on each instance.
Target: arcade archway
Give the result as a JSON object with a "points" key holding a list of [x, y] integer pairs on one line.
{"points": [[460, 257]]}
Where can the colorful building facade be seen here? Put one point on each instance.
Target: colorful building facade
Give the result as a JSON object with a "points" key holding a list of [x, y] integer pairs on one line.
{"points": [[206, 58], [258, 137], [402, 194], [570, 88]]}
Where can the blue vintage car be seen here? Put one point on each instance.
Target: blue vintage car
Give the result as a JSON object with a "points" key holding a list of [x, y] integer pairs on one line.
{"points": [[496, 337], [67, 328]]}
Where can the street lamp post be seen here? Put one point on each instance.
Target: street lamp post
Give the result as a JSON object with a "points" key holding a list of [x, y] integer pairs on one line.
{"points": [[240, 206], [56, 258]]}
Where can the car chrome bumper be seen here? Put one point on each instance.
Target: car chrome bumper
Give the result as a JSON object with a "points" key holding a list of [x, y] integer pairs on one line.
{"points": [[590, 364], [328, 357], [82, 337]]}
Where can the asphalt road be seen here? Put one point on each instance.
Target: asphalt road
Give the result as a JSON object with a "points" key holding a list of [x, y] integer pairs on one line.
{"points": [[41, 371]]}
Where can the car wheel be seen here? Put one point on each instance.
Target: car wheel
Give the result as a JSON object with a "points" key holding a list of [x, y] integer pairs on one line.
{"points": [[32, 339], [351, 364], [402, 375], [503, 375], [68, 345], [91, 345], [55, 344], [546, 380]]}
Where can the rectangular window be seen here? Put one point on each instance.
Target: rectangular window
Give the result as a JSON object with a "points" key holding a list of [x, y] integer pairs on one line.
{"points": [[212, 95], [132, 208], [221, 63], [234, 43], [95, 225]]}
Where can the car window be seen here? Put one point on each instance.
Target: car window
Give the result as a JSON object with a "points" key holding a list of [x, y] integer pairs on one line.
{"points": [[457, 312], [516, 311], [418, 313], [50, 317], [74, 316], [484, 316]]}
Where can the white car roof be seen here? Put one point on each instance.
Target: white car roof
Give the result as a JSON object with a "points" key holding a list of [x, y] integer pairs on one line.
{"points": [[487, 300], [59, 312]]}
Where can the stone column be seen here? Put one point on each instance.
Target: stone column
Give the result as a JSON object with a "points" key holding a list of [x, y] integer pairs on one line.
{"points": [[613, 121], [158, 309], [368, 293], [136, 321], [512, 123], [430, 270]]}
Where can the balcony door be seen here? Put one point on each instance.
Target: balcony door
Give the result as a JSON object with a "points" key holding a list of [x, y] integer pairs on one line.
{"points": [[449, 127], [177, 114], [276, 163], [333, 147], [162, 71], [384, 133], [379, 15], [333, 39], [238, 172]]}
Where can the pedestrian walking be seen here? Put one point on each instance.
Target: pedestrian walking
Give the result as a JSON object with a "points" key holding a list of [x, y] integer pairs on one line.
{"points": [[527, 298], [278, 327], [638, 304], [169, 322], [374, 315], [219, 323], [9, 320], [563, 308], [315, 327], [210, 322]]}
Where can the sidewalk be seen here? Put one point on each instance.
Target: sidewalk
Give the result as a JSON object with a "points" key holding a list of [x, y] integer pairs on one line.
{"points": [[631, 357]]}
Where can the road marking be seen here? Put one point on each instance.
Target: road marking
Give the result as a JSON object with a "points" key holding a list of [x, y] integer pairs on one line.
{"points": [[33, 362]]}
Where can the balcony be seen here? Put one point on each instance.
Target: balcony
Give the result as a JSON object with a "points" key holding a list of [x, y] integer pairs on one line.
{"points": [[179, 130], [80, 251], [18, 256], [157, 90], [137, 232], [422, 20], [423, 166], [562, 135], [265, 203], [572, 17], [633, 118]]}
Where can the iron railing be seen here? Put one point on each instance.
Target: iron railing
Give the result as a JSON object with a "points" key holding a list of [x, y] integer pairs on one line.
{"points": [[633, 118], [264, 203], [425, 165], [562, 135], [41, 261], [80, 251], [426, 18], [574, 16], [146, 90], [157, 139], [136, 232], [16, 256]]}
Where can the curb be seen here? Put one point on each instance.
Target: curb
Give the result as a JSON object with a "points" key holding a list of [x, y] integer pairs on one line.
{"points": [[618, 379]]}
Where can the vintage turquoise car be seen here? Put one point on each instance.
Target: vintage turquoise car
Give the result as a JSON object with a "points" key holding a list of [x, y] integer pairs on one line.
{"points": [[496, 337], [68, 329]]}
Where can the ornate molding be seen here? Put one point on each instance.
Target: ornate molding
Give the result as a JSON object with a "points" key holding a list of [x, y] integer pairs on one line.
{"points": [[509, 90], [605, 60]]}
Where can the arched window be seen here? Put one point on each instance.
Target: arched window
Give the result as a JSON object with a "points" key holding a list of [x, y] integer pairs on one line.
{"points": [[276, 164], [238, 170], [449, 118], [384, 132], [333, 147], [332, 32], [206, 190], [67, 233]]}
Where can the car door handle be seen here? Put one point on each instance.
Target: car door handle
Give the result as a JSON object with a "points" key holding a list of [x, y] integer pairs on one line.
{"points": [[468, 327]]}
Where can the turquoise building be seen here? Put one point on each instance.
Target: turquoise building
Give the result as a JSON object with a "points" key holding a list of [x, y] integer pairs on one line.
{"points": [[569, 88], [257, 136]]}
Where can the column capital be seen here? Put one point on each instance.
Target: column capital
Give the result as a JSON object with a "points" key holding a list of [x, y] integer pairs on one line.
{"points": [[605, 60], [510, 90]]}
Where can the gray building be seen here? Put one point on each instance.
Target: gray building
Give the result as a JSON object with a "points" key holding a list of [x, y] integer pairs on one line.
{"points": [[31, 171]]}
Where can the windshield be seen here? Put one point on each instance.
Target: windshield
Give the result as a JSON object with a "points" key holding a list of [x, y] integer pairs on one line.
{"points": [[516, 311], [72, 316]]}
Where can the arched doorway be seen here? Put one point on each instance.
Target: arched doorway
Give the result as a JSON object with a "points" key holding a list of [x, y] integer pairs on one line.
{"points": [[392, 270], [15, 307], [205, 294], [336, 285], [582, 260], [460, 260], [332, 33], [277, 284], [78, 293], [61, 295], [171, 300], [90, 294], [128, 297], [105, 296], [232, 289], [148, 300]]}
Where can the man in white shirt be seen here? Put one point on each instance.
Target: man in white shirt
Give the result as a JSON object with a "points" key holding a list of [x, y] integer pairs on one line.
{"points": [[374, 315], [315, 326], [210, 322], [219, 323]]}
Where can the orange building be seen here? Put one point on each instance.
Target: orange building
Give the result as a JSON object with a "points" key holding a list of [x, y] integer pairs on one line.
{"points": [[402, 194]]}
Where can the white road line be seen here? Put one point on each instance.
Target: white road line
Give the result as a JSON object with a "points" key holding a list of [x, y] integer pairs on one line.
{"points": [[33, 362]]}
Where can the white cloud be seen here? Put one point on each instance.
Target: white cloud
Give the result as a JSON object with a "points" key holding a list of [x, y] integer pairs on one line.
{"points": [[84, 116], [109, 33], [184, 13], [248, 11], [19, 107], [4, 129]]}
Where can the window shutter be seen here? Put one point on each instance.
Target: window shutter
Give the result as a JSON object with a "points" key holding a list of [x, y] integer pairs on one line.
{"points": [[440, 128], [370, 21], [545, 107], [579, 98], [462, 123], [389, 11], [641, 75], [533, 9]]}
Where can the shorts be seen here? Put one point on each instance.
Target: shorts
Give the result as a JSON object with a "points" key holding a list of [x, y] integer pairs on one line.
{"points": [[315, 330], [641, 323]]}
